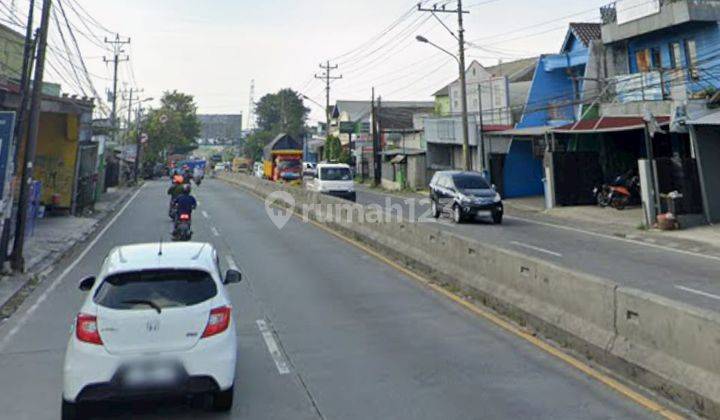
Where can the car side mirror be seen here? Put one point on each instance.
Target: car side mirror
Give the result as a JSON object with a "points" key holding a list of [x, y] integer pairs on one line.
{"points": [[232, 276], [87, 283]]}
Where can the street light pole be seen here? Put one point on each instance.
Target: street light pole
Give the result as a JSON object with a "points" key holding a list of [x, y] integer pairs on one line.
{"points": [[467, 159], [138, 138]]}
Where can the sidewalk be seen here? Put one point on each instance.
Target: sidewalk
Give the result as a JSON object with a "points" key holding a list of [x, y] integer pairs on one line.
{"points": [[620, 223], [624, 224], [52, 239]]}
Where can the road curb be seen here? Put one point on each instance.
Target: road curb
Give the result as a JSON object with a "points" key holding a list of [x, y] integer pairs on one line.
{"points": [[27, 282]]}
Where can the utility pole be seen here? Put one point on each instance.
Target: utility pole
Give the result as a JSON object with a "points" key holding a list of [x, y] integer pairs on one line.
{"points": [[480, 136], [18, 261], [139, 136], [129, 95], [467, 159], [28, 54], [327, 77], [118, 58]]}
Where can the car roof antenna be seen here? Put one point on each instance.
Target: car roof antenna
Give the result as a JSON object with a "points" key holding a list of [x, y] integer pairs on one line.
{"points": [[160, 249]]}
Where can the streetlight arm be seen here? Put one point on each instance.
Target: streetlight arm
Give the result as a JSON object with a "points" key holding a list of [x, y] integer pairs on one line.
{"points": [[426, 41]]}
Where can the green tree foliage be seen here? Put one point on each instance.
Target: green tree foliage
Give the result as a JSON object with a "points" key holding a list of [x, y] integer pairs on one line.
{"points": [[333, 149], [174, 127], [255, 143], [281, 112]]}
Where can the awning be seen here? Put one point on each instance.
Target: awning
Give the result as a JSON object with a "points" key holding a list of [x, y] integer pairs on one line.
{"points": [[711, 119], [492, 128], [398, 159], [607, 125], [527, 132]]}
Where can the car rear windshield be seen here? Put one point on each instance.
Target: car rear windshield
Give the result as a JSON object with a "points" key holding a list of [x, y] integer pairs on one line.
{"points": [[470, 182], [335, 174], [155, 288]]}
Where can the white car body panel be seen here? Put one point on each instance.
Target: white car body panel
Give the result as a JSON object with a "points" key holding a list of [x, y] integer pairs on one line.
{"points": [[126, 337]]}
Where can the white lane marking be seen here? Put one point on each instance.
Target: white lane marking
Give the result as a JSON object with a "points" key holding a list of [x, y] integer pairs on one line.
{"points": [[214, 231], [280, 362], [616, 238], [205, 215], [535, 248], [24, 318], [697, 292], [231, 262]]}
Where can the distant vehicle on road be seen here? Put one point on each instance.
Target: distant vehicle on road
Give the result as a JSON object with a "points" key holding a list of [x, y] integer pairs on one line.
{"points": [[333, 179], [309, 168], [241, 165], [220, 167], [156, 321], [258, 169], [464, 195]]}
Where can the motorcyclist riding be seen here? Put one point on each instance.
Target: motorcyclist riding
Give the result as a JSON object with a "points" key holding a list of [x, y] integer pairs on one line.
{"points": [[185, 202], [175, 190], [184, 205]]}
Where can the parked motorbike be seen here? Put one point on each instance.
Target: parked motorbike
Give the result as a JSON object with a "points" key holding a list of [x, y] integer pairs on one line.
{"points": [[182, 231], [619, 194]]}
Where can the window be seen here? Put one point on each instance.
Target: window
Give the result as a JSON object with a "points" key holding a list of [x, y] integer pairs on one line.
{"points": [[335, 174], [657, 63], [675, 55], [470, 182], [162, 288], [692, 59], [643, 60]]}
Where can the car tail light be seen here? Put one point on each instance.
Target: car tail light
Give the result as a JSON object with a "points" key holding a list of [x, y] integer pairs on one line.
{"points": [[218, 321], [86, 329]]}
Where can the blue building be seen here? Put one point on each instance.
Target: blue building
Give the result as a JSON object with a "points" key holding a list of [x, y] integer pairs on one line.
{"points": [[657, 70], [560, 83]]}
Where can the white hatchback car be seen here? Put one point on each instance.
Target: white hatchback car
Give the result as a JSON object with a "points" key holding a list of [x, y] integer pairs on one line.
{"points": [[157, 321]]}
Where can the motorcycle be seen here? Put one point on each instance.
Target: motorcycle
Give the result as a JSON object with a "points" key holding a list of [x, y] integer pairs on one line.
{"points": [[198, 180], [182, 231], [172, 211], [619, 194]]}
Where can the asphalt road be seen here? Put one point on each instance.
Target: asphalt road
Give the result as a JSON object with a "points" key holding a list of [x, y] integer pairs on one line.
{"points": [[676, 274], [359, 339]]}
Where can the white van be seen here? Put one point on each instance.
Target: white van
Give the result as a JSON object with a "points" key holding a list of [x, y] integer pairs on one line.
{"points": [[333, 179]]}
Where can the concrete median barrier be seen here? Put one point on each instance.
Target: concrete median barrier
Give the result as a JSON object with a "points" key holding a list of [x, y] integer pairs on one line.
{"points": [[661, 344]]}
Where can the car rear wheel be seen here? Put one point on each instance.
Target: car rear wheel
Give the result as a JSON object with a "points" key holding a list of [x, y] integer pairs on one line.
{"points": [[435, 210], [223, 400], [70, 411]]}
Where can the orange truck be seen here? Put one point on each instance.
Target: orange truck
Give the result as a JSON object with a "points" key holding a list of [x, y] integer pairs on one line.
{"points": [[282, 159]]}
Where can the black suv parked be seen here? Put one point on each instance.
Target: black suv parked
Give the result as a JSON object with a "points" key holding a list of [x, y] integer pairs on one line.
{"points": [[464, 195]]}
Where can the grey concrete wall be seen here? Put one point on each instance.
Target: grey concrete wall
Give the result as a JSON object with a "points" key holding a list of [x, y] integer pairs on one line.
{"points": [[665, 345]]}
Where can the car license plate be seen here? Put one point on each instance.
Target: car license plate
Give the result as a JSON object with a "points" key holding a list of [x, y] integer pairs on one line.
{"points": [[151, 375], [484, 213]]}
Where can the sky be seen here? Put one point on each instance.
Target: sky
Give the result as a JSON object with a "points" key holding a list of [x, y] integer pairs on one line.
{"points": [[212, 49]]}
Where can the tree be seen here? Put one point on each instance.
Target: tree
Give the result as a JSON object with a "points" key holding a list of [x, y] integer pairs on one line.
{"points": [[174, 127], [282, 112], [333, 148]]}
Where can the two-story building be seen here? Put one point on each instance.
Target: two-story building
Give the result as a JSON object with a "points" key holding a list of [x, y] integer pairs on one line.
{"points": [[659, 60], [495, 98]]}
